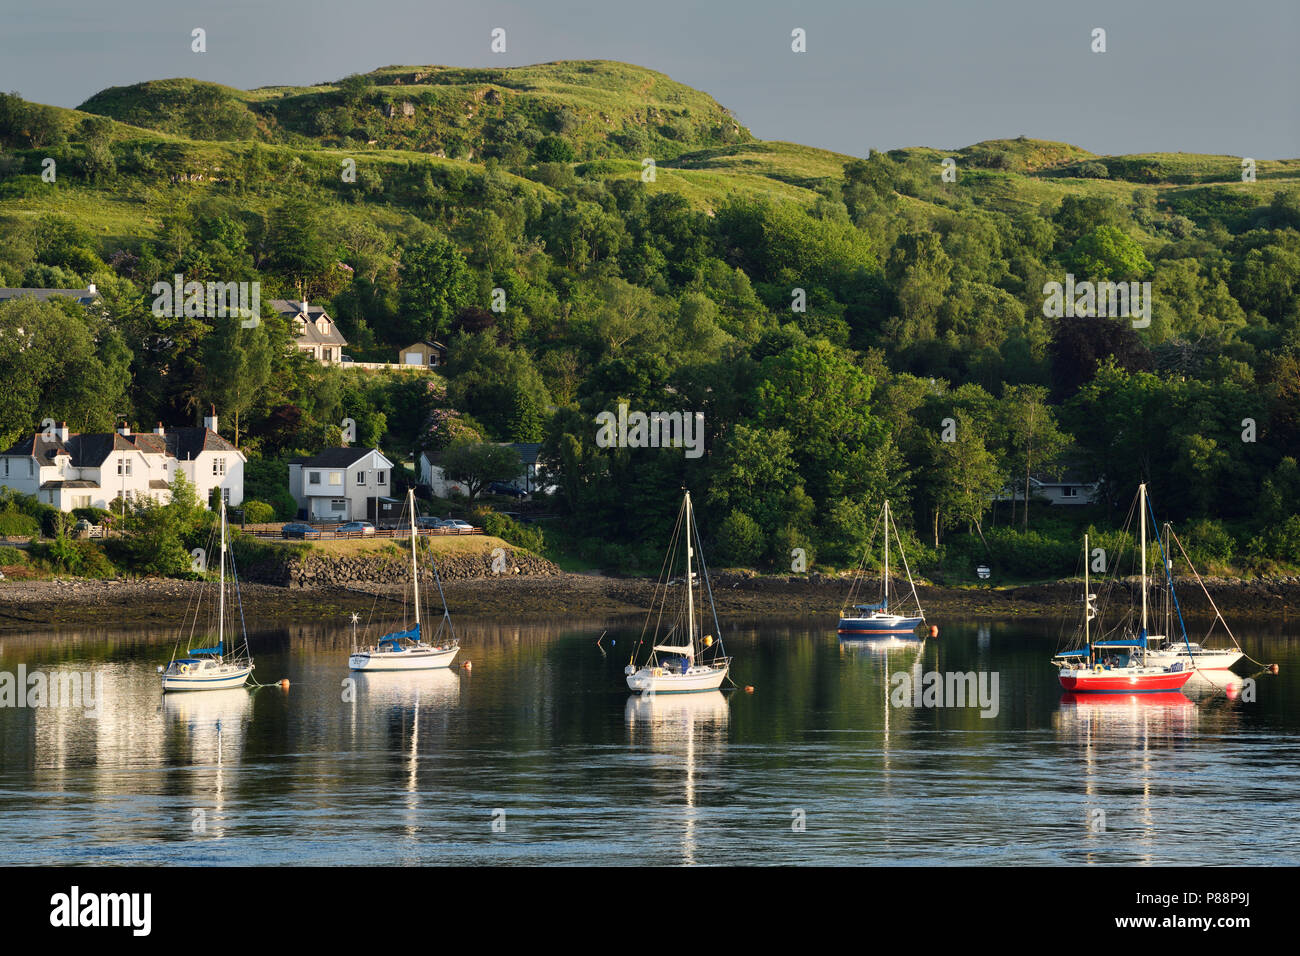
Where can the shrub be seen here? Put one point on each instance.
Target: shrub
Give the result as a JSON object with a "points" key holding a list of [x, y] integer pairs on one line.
{"points": [[93, 515], [15, 524], [507, 529], [11, 556], [784, 543], [258, 512], [740, 540]]}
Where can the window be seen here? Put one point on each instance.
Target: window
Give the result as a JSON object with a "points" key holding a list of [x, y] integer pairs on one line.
{"points": [[81, 501], [361, 477], [225, 496], [336, 477], [339, 505], [124, 467], [6, 467], [1069, 492], [218, 467], [313, 477], [381, 477]]}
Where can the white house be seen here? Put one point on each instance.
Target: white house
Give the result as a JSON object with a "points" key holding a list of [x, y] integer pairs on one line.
{"points": [[317, 333], [342, 484], [92, 470], [1070, 489], [532, 475]]}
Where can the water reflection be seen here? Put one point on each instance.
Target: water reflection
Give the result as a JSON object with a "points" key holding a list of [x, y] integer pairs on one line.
{"points": [[683, 729]]}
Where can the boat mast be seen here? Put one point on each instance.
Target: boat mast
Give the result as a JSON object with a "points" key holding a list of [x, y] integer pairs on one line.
{"points": [[1087, 605], [886, 607], [221, 588], [1142, 505], [690, 588], [415, 573]]}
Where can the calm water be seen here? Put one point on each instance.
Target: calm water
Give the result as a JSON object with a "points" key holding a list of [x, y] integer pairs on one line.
{"points": [[539, 738]]}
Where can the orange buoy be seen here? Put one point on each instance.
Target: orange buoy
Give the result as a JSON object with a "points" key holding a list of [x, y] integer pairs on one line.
{"points": [[467, 665], [284, 684], [1273, 668], [934, 630], [749, 688]]}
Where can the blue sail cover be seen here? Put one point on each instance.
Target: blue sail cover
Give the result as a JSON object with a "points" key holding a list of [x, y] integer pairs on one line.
{"points": [[209, 650], [871, 607], [1081, 652], [412, 635]]}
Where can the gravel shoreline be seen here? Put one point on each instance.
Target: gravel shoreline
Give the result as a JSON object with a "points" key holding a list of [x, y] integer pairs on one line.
{"points": [[60, 603]]}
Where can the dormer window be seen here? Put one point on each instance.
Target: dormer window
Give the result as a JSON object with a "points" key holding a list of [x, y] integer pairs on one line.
{"points": [[324, 325]]}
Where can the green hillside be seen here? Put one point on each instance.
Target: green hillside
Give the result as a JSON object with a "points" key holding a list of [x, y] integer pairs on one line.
{"points": [[825, 312]]}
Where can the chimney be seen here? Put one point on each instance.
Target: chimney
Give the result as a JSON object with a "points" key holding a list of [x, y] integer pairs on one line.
{"points": [[91, 288], [63, 431], [306, 314], [124, 430], [210, 422], [160, 430]]}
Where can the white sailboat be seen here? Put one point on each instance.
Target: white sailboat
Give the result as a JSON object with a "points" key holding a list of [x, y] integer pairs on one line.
{"points": [[404, 650], [1164, 650], [210, 668], [680, 661]]}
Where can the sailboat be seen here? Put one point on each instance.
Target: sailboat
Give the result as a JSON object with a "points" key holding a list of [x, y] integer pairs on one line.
{"points": [[404, 650], [679, 661], [1119, 666], [209, 668], [876, 620], [1164, 650]]}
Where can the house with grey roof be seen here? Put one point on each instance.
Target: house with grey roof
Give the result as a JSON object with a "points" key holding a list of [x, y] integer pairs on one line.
{"points": [[317, 332], [86, 296], [343, 484], [93, 470]]}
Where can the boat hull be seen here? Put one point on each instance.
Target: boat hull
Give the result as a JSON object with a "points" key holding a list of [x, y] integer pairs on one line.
{"points": [[885, 625], [235, 677], [1202, 660], [1123, 681], [658, 680], [413, 660]]}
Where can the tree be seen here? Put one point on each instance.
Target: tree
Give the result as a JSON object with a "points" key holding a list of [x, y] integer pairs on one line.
{"points": [[1108, 253], [477, 464], [963, 475], [436, 283], [236, 366], [1033, 435]]}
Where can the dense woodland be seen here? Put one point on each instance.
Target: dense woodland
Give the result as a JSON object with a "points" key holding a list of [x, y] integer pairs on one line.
{"points": [[834, 318]]}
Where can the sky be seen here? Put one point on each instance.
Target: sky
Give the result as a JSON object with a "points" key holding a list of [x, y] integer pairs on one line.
{"points": [[1202, 76]]}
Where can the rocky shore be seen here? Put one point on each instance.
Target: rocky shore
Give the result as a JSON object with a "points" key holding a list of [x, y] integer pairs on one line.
{"points": [[537, 589]]}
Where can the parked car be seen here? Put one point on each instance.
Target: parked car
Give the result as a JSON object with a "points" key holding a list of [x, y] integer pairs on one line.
{"points": [[345, 358], [427, 522], [356, 527], [298, 529], [456, 526], [509, 491]]}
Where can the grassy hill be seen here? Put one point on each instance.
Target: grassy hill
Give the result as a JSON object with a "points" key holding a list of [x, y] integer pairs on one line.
{"points": [[601, 109]]}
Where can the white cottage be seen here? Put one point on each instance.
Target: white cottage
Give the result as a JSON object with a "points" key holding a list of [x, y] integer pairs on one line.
{"points": [[93, 470], [342, 484]]}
